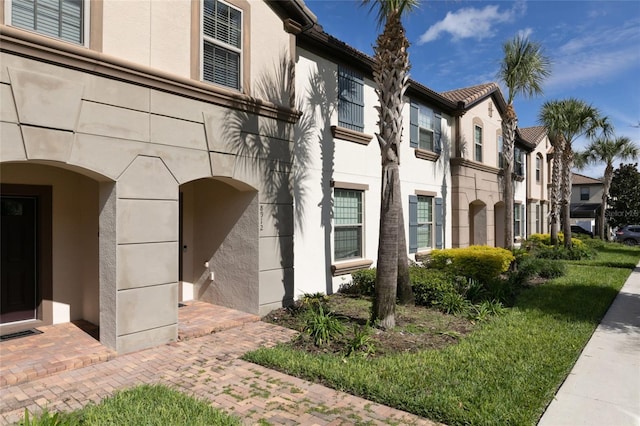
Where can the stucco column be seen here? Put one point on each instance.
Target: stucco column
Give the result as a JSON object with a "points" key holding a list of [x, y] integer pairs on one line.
{"points": [[147, 255], [107, 268]]}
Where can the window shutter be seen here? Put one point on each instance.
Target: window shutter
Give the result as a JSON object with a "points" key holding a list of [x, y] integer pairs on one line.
{"points": [[413, 129], [439, 223], [413, 223], [437, 132]]}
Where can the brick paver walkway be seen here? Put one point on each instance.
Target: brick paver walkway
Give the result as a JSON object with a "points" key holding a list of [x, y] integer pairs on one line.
{"points": [[207, 367]]}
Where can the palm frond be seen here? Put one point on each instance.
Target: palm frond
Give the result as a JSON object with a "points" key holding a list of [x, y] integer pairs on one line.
{"points": [[523, 68], [385, 8]]}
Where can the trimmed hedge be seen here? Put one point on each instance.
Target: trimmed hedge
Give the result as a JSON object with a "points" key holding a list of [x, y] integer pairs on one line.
{"points": [[546, 240], [482, 263]]}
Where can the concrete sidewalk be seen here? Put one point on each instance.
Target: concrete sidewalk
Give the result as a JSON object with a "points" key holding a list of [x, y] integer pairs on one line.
{"points": [[603, 387]]}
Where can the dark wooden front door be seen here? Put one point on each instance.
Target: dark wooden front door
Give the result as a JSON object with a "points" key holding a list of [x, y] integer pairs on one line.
{"points": [[19, 253]]}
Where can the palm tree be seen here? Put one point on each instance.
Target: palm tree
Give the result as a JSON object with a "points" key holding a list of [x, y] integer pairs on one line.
{"points": [[550, 117], [606, 150], [391, 75], [570, 119], [523, 69]]}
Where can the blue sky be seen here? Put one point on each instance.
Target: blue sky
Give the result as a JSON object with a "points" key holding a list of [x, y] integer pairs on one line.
{"points": [[594, 47]]}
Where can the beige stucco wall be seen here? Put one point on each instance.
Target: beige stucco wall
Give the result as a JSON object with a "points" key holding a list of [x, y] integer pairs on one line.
{"points": [[75, 279], [220, 236], [595, 194], [139, 144], [491, 128]]}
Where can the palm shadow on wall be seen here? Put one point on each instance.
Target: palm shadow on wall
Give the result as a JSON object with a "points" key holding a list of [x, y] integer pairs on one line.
{"points": [[278, 151]]}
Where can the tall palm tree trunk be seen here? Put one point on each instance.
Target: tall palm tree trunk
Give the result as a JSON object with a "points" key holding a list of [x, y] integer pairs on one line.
{"points": [[384, 303], [556, 194], [608, 176], [390, 72], [567, 163], [509, 125]]}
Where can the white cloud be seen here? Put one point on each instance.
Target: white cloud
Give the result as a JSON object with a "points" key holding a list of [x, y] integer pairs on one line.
{"points": [[590, 67], [596, 56], [525, 33], [472, 23]]}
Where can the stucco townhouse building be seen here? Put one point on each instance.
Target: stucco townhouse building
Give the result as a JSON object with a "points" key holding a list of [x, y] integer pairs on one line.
{"points": [[219, 150], [478, 214], [145, 161]]}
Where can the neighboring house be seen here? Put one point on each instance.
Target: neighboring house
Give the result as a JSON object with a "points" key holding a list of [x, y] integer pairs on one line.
{"points": [[476, 174], [146, 159], [586, 200], [537, 179], [338, 200]]}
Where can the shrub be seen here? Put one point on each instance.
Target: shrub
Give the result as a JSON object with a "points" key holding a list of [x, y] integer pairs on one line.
{"points": [[322, 326], [539, 245], [552, 269], [481, 263], [545, 239], [362, 283], [430, 284], [504, 290], [594, 243]]}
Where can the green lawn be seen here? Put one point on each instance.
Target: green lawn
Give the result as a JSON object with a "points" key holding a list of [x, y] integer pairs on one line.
{"points": [[505, 372], [143, 405]]}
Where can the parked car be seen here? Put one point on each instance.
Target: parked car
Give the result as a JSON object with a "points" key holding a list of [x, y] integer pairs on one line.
{"points": [[628, 234], [576, 229]]}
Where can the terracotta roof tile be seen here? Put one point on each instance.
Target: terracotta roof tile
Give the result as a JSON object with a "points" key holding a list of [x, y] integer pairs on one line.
{"points": [[470, 94], [579, 179], [533, 135]]}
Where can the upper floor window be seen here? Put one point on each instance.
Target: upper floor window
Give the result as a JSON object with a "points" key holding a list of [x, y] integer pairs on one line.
{"points": [[584, 193], [347, 224], [350, 99], [425, 128], [222, 44], [477, 142], [500, 154], [63, 19], [518, 157], [538, 167]]}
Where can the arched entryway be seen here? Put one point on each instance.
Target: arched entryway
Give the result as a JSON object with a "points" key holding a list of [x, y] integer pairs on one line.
{"points": [[477, 223], [219, 243], [50, 245]]}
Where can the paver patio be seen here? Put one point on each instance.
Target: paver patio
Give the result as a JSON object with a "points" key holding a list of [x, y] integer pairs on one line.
{"points": [[207, 367]]}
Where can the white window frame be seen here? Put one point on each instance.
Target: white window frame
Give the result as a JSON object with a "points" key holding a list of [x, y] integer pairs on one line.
{"points": [[351, 225], [500, 141], [517, 219], [422, 112], [477, 143], [223, 45], [424, 199], [538, 168], [538, 217], [518, 159], [86, 23], [583, 193]]}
